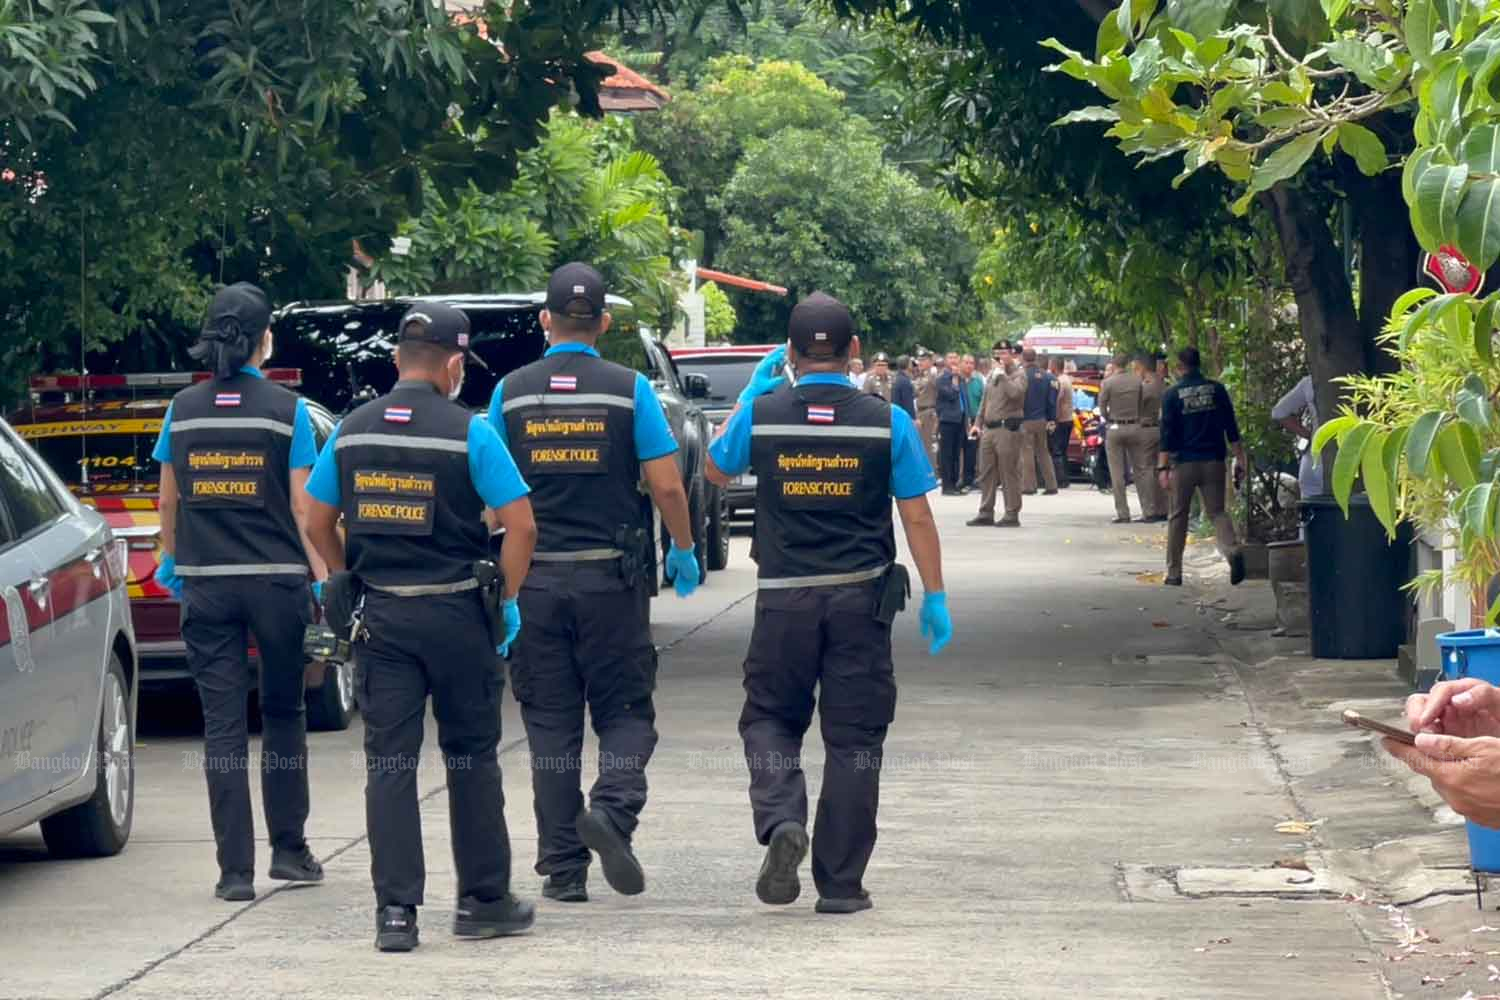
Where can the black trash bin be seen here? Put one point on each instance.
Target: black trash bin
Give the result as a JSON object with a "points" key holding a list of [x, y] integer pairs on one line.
{"points": [[1357, 607]]}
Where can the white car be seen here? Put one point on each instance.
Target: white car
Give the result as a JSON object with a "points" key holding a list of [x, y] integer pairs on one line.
{"points": [[67, 664]]}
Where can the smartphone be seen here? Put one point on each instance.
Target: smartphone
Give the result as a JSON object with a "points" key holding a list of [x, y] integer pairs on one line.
{"points": [[1353, 718]]}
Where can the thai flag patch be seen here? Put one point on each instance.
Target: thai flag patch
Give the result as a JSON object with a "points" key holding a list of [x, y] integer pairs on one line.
{"points": [[820, 414], [563, 383], [398, 414], [227, 399]]}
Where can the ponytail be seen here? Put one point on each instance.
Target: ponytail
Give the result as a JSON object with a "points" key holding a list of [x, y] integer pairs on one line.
{"points": [[224, 346]]}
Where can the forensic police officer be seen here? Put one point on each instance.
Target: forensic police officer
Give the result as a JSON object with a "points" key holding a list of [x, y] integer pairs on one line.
{"points": [[1198, 428], [828, 459], [235, 452], [586, 434], [420, 483]]}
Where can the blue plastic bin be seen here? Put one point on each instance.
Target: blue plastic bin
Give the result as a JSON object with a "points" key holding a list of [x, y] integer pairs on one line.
{"points": [[1475, 653]]}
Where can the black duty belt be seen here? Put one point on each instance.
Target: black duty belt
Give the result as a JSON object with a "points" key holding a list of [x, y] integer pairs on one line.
{"points": [[1008, 423]]}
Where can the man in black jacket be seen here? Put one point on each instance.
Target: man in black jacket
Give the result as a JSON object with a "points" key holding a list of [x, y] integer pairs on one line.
{"points": [[952, 413], [903, 389]]}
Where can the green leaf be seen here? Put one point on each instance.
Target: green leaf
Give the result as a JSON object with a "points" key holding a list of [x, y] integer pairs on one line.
{"points": [[1329, 430], [1346, 466], [1479, 223], [1380, 489], [1484, 330], [1284, 163], [1091, 114], [1421, 442], [1334, 9], [1475, 508], [1420, 29], [1438, 194], [1395, 447], [1365, 146], [1410, 299], [1374, 66], [1109, 39], [1280, 92], [1200, 18], [1299, 23], [1458, 448], [1474, 406]]}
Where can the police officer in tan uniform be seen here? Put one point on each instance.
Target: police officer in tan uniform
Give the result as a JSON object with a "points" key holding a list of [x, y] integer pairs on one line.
{"points": [[879, 381], [927, 419], [1121, 402], [1153, 387], [999, 431]]}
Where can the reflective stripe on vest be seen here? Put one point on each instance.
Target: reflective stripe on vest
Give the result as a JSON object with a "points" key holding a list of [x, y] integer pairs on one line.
{"points": [[825, 580], [245, 569], [583, 555], [232, 423], [402, 441], [569, 399], [429, 589], [820, 431]]}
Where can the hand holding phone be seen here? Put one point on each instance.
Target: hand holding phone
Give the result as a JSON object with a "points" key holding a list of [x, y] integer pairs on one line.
{"points": [[1353, 718]]}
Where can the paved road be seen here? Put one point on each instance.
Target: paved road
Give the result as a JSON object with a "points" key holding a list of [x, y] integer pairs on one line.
{"points": [[1079, 738]]}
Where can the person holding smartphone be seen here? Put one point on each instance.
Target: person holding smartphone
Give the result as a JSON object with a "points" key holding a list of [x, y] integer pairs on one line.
{"points": [[1457, 746]]}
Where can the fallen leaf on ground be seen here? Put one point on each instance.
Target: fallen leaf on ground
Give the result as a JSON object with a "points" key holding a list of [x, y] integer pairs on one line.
{"points": [[1433, 980], [1290, 954], [1296, 827], [1482, 928], [1154, 579], [1296, 863]]}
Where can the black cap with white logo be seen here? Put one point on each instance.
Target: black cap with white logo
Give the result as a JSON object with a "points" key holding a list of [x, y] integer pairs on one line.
{"points": [[436, 323], [576, 290], [820, 327]]}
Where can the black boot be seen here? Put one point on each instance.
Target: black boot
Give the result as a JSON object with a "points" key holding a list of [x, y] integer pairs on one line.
{"points": [[621, 869], [235, 887], [566, 888], [493, 918], [778, 883], [845, 904], [296, 866], [396, 928]]}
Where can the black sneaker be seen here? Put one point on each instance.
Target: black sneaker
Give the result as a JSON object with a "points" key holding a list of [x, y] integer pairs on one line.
{"points": [[497, 918], [566, 889], [235, 887], [1121, 520], [1237, 569], [778, 883], [621, 869], [1172, 581], [296, 866], [1050, 493], [396, 928], [845, 904], [1155, 519], [981, 522], [1008, 522]]}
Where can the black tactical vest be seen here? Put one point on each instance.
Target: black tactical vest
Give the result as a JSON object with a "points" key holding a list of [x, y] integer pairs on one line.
{"points": [[570, 422], [411, 513], [822, 459], [231, 451]]}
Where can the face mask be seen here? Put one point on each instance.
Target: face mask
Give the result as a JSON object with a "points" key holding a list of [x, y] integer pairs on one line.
{"points": [[270, 346], [458, 383]]}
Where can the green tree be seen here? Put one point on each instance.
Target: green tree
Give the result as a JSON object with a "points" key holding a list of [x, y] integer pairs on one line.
{"points": [[821, 210], [581, 194], [719, 318], [700, 137]]}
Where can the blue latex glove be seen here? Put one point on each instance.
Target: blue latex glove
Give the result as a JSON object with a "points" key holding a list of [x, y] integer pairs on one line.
{"points": [[510, 612], [682, 570], [936, 621], [317, 589], [166, 576], [765, 378]]}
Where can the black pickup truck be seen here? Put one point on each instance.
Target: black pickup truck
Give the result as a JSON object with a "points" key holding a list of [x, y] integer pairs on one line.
{"points": [[345, 348]]}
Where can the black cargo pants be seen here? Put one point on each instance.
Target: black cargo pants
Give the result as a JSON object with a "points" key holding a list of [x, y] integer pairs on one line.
{"points": [[439, 646], [219, 615], [585, 641], [823, 639]]}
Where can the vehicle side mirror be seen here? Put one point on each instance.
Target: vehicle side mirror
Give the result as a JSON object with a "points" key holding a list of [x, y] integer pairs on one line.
{"points": [[695, 385]]}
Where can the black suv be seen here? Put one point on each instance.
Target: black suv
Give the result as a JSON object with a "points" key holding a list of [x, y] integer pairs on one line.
{"points": [[344, 350]]}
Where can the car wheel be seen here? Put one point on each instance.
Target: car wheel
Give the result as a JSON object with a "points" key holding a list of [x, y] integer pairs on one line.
{"points": [[718, 529], [100, 826], [330, 705]]}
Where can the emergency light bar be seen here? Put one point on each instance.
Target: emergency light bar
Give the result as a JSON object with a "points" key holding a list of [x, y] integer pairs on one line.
{"points": [[145, 380]]}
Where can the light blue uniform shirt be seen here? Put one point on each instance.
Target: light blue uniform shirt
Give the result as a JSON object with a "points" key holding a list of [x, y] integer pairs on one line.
{"points": [[304, 445], [911, 472], [653, 436], [493, 472]]}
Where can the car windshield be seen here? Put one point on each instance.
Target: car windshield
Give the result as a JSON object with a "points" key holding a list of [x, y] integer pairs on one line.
{"points": [[727, 377], [96, 460]]}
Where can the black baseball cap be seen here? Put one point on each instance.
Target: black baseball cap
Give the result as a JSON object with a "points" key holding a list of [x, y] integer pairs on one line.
{"points": [[820, 327], [576, 290], [240, 308], [436, 323]]}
